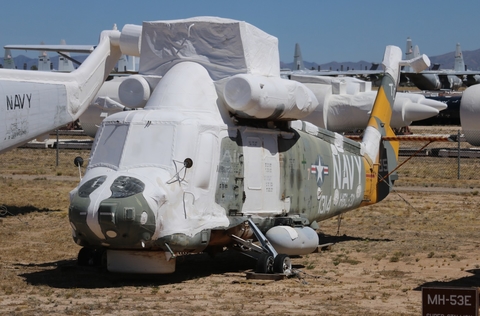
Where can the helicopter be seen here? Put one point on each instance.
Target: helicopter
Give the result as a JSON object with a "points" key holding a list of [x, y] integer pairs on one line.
{"points": [[219, 157]]}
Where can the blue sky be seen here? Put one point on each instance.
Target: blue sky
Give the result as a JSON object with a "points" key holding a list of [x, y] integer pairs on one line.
{"points": [[327, 31]]}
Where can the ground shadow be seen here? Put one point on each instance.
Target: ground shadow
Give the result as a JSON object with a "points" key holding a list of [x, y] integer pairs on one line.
{"points": [[11, 210], [468, 281], [67, 274], [333, 239]]}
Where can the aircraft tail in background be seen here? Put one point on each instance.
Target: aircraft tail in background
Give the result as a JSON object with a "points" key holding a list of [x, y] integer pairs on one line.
{"points": [[409, 53], [297, 58], [459, 63], [64, 63], [44, 63], [8, 62]]}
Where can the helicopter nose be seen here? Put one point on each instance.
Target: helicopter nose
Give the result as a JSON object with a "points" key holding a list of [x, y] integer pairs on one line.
{"points": [[126, 223], [123, 220]]}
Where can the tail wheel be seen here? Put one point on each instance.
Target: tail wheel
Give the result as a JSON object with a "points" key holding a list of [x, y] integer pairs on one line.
{"points": [[282, 264], [264, 263]]}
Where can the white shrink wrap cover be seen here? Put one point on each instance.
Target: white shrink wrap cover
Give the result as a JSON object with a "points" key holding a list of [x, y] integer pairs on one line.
{"points": [[224, 47], [470, 114], [134, 91], [131, 39], [259, 97]]}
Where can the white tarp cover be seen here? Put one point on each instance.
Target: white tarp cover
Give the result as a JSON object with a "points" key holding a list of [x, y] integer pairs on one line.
{"points": [[224, 47]]}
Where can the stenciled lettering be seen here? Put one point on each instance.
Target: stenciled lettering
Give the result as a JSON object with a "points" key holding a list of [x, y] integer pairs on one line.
{"points": [[345, 167], [325, 204], [19, 101]]}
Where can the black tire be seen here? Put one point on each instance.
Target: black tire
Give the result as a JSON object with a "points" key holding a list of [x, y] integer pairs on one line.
{"points": [[100, 258], [84, 256], [282, 264], [264, 263]]}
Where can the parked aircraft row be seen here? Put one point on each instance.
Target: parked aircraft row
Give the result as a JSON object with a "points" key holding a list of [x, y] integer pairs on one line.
{"points": [[441, 79], [434, 79]]}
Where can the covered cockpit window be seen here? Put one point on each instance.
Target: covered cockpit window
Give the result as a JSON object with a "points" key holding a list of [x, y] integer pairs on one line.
{"points": [[149, 144], [109, 146], [135, 145]]}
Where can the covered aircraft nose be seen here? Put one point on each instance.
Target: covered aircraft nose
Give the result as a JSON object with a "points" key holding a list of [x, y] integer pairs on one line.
{"points": [[112, 214]]}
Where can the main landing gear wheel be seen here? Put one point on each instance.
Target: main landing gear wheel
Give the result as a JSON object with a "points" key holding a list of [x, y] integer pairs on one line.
{"points": [[264, 263], [282, 264]]}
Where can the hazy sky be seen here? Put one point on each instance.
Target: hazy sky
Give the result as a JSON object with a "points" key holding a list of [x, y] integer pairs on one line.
{"points": [[326, 30]]}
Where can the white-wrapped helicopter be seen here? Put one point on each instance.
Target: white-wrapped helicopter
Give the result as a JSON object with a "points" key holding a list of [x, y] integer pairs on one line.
{"points": [[218, 158]]}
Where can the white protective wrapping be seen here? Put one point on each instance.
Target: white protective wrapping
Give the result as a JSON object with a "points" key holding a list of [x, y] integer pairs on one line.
{"points": [[134, 91], [345, 104], [105, 103], [224, 47], [268, 97], [470, 114], [131, 39]]}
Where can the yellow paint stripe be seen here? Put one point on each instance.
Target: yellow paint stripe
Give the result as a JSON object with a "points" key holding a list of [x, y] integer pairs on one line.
{"points": [[382, 112]]}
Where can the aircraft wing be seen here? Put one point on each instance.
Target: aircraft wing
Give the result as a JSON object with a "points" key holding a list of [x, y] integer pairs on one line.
{"points": [[54, 48]]}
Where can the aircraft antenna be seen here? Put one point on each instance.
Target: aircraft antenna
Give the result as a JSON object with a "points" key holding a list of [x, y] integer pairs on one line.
{"points": [[78, 161], [187, 163]]}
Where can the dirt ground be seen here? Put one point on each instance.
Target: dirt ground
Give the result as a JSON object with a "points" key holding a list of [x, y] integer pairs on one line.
{"points": [[380, 259]]}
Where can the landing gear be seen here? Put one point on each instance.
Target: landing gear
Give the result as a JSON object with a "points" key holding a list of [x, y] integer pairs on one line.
{"points": [[282, 264], [265, 263], [268, 260], [91, 257]]}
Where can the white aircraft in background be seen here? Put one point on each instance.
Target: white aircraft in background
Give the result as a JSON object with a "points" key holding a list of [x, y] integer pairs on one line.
{"points": [[38, 102], [470, 114], [217, 158], [345, 102]]}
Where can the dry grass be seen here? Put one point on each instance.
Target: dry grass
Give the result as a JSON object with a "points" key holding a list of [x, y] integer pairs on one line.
{"points": [[383, 256]]}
